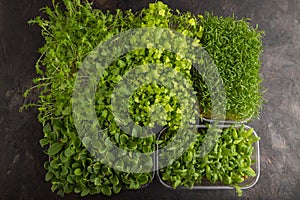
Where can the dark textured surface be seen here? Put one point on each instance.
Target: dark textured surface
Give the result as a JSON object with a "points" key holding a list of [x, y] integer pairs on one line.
{"points": [[21, 157]]}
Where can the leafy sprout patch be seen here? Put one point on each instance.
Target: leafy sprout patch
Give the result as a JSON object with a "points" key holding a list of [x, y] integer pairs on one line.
{"points": [[72, 29]]}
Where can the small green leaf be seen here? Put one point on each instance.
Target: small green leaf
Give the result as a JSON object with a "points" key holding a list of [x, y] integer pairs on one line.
{"points": [[69, 152], [85, 191], [134, 132], [114, 180], [189, 157], [47, 129], [249, 171], [238, 190], [132, 145], [237, 179], [64, 139], [86, 141], [143, 179], [44, 142], [98, 181], [64, 171], [68, 188], [77, 172], [67, 111], [214, 178], [116, 189], [54, 149], [106, 190], [176, 183], [63, 158], [123, 139], [234, 134], [247, 133], [134, 185], [54, 187], [70, 179], [48, 176], [77, 190]]}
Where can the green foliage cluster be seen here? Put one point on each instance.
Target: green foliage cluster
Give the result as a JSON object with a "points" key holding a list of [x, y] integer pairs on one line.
{"points": [[229, 161], [73, 29]]}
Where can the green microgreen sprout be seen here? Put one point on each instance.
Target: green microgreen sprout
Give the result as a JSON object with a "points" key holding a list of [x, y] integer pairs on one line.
{"points": [[229, 162]]}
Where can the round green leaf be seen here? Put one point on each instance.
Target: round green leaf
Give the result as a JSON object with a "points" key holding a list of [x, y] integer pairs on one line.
{"points": [[114, 180], [54, 149], [77, 172]]}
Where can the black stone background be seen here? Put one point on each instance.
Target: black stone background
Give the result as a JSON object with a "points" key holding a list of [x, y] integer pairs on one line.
{"points": [[21, 157]]}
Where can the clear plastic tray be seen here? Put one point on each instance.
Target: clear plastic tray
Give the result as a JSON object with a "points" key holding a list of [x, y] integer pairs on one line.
{"points": [[205, 185]]}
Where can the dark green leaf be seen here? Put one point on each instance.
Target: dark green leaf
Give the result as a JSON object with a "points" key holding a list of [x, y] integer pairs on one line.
{"points": [[54, 149], [116, 189], [85, 191], [48, 176], [106, 190], [77, 172], [114, 180]]}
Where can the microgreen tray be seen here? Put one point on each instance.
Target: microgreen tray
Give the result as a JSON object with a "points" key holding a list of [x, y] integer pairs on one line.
{"points": [[246, 184]]}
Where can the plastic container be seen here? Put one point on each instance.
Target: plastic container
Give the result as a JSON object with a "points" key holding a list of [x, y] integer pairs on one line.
{"points": [[206, 185]]}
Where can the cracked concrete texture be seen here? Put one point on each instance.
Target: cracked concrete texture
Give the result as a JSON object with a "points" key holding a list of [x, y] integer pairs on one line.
{"points": [[21, 158]]}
